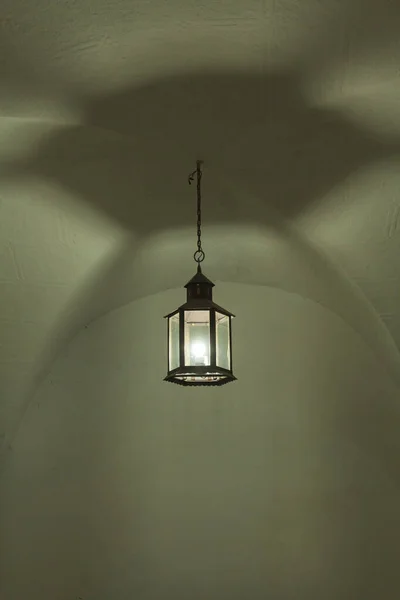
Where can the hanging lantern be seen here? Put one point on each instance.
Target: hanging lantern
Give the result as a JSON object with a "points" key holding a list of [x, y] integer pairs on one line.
{"points": [[199, 331]]}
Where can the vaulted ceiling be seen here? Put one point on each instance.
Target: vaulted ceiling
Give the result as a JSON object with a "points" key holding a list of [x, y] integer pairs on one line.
{"points": [[104, 108]]}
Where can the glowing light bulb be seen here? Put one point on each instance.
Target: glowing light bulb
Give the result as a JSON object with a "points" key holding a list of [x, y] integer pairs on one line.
{"points": [[198, 349]]}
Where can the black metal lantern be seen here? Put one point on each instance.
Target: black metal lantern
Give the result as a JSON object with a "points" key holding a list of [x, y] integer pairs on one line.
{"points": [[199, 331]]}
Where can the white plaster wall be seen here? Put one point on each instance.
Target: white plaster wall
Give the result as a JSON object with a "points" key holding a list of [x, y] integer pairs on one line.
{"points": [[282, 485]]}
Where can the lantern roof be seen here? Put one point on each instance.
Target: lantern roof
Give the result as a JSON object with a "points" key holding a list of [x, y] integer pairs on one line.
{"points": [[199, 279], [199, 296]]}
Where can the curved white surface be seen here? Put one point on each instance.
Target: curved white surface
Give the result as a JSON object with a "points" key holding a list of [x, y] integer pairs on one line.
{"points": [[277, 257], [284, 483]]}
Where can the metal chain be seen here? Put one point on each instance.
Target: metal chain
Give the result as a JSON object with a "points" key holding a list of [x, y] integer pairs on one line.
{"points": [[199, 255]]}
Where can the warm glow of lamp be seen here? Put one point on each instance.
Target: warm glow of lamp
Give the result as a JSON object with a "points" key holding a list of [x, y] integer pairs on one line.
{"points": [[199, 351]]}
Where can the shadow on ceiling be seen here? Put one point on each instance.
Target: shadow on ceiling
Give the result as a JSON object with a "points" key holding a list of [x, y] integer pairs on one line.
{"points": [[132, 158]]}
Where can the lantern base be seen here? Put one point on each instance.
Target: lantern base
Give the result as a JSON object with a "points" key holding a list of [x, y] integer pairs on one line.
{"points": [[200, 376]]}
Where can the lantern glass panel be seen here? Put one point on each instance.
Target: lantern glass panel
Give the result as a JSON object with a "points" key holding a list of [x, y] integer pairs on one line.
{"points": [[222, 324], [173, 341], [197, 338]]}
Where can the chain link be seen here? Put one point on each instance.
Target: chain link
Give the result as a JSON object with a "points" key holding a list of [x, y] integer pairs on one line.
{"points": [[199, 255]]}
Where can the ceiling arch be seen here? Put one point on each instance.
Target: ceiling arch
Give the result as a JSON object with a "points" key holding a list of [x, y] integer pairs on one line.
{"points": [[288, 103], [277, 257]]}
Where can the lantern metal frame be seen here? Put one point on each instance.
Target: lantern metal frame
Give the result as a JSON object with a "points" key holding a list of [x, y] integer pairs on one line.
{"points": [[199, 298]]}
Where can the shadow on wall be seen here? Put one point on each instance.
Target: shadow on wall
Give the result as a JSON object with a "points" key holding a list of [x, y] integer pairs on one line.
{"points": [[279, 259], [131, 156]]}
